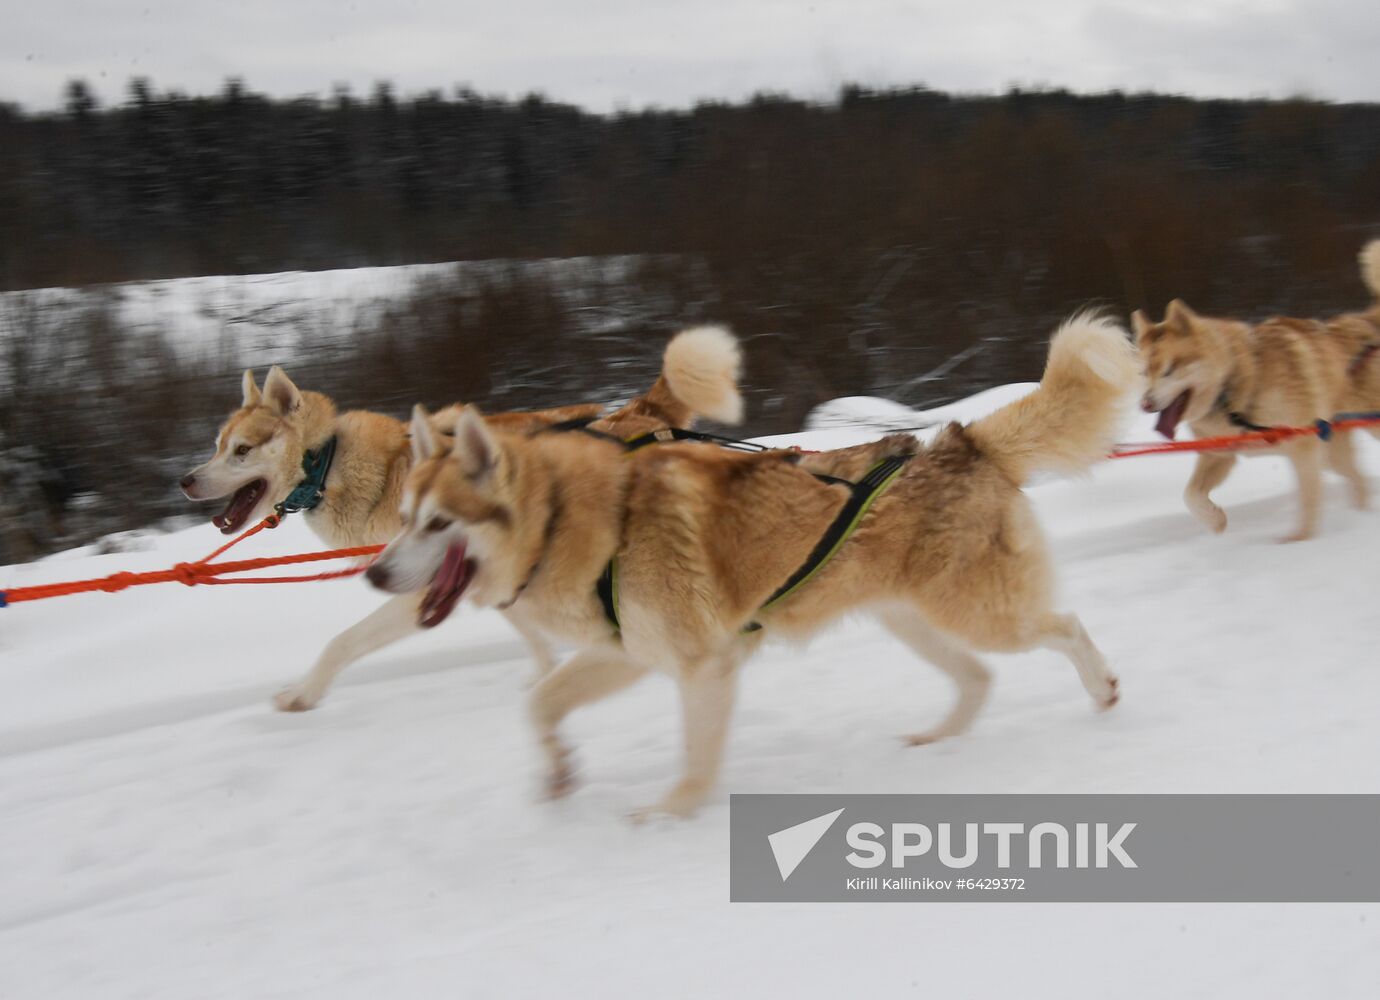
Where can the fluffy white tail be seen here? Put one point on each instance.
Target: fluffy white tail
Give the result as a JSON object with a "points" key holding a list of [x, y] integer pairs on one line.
{"points": [[701, 368], [1370, 267], [1071, 421]]}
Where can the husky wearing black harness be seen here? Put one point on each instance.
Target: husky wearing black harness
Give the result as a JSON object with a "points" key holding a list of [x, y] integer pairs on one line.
{"points": [[346, 471], [1223, 377], [713, 549]]}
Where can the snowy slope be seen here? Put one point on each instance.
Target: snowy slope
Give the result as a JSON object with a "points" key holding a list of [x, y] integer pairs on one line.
{"points": [[249, 317], [165, 834]]}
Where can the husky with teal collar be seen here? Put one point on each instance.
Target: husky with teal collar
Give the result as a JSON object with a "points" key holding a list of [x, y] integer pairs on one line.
{"points": [[346, 471]]}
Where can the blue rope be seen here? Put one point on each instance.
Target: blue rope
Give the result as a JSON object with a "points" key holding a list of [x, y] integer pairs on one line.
{"points": [[3, 602], [1324, 429]]}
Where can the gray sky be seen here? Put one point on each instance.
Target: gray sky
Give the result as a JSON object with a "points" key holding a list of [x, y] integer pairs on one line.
{"points": [[610, 53]]}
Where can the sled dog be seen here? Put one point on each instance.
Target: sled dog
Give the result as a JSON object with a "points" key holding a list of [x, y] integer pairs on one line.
{"points": [[663, 559], [1225, 377], [259, 461]]}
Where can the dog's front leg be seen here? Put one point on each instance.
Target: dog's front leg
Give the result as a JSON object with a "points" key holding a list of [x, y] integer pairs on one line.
{"points": [[1341, 456], [707, 689], [589, 675], [395, 619], [542, 654], [1210, 472], [1307, 458]]}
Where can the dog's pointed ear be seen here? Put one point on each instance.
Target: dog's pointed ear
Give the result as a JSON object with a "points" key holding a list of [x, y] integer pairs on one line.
{"points": [[252, 396], [1140, 323], [1180, 315], [475, 448], [424, 444], [280, 393]]}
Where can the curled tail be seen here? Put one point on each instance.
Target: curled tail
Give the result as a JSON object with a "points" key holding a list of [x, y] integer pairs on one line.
{"points": [[1070, 422], [699, 378], [1370, 267]]}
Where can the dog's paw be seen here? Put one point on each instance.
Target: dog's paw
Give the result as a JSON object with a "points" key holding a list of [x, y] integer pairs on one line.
{"points": [[681, 803], [927, 736], [1210, 516], [560, 774], [1108, 697], [1298, 536], [560, 782], [295, 698], [658, 813]]}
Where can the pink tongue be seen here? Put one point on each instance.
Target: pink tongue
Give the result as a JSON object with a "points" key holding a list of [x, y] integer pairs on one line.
{"points": [[446, 587], [237, 511], [1171, 415]]}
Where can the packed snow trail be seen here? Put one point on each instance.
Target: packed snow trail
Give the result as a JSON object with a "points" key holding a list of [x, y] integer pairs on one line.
{"points": [[165, 833]]}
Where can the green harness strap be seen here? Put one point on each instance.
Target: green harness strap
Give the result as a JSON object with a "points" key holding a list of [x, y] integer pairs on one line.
{"points": [[861, 495]]}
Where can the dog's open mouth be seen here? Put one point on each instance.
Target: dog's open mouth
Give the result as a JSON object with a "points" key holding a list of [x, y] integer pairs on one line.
{"points": [[1172, 414], [447, 587], [239, 508]]}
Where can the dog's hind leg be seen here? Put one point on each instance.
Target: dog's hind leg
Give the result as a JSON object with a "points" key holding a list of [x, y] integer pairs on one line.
{"points": [[1341, 456], [589, 675], [1065, 634], [1210, 472], [707, 689], [395, 619], [968, 672]]}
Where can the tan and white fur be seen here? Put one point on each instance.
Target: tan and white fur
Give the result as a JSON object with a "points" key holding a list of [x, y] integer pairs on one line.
{"points": [[1282, 372], [949, 558], [265, 439]]}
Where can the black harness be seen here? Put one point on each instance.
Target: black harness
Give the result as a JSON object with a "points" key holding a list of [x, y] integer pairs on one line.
{"points": [[665, 435], [1235, 417], [1359, 362], [1238, 419], [860, 497]]}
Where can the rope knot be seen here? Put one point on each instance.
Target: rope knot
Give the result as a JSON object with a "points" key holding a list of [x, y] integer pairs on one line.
{"points": [[1324, 429], [187, 574], [117, 582]]}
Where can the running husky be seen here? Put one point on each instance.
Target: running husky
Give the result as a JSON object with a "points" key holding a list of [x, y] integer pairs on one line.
{"points": [[1224, 377], [259, 461], [674, 558]]}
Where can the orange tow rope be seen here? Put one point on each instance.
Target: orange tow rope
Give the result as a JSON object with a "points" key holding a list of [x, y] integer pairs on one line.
{"points": [[203, 571], [1254, 439]]}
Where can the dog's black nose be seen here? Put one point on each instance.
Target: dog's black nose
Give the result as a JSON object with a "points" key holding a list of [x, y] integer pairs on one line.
{"points": [[187, 481], [378, 576]]}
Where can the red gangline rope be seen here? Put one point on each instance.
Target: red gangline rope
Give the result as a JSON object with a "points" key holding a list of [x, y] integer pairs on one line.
{"points": [[1252, 439], [204, 571]]}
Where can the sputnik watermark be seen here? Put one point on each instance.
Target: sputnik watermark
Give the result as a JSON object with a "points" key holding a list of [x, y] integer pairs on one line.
{"points": [[1089, 845], [1055, 847]]}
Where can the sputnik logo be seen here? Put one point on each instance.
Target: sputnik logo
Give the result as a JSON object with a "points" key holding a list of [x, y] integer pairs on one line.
{"points": [[793, 844]]}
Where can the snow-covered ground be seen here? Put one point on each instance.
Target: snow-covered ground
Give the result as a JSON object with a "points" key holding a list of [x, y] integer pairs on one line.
{"points": [[164, 833]]}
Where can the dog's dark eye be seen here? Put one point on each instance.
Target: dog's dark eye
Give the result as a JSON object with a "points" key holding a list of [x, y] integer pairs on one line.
{"points": [[437, 524], [243, 450], [1169, 369]]}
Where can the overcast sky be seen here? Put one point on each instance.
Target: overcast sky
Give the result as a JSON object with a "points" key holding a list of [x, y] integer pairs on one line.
{"points": [[630, 53]]}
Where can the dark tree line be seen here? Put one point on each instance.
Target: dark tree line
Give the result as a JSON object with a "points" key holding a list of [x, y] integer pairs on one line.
{"points": [[1038, 197]]}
